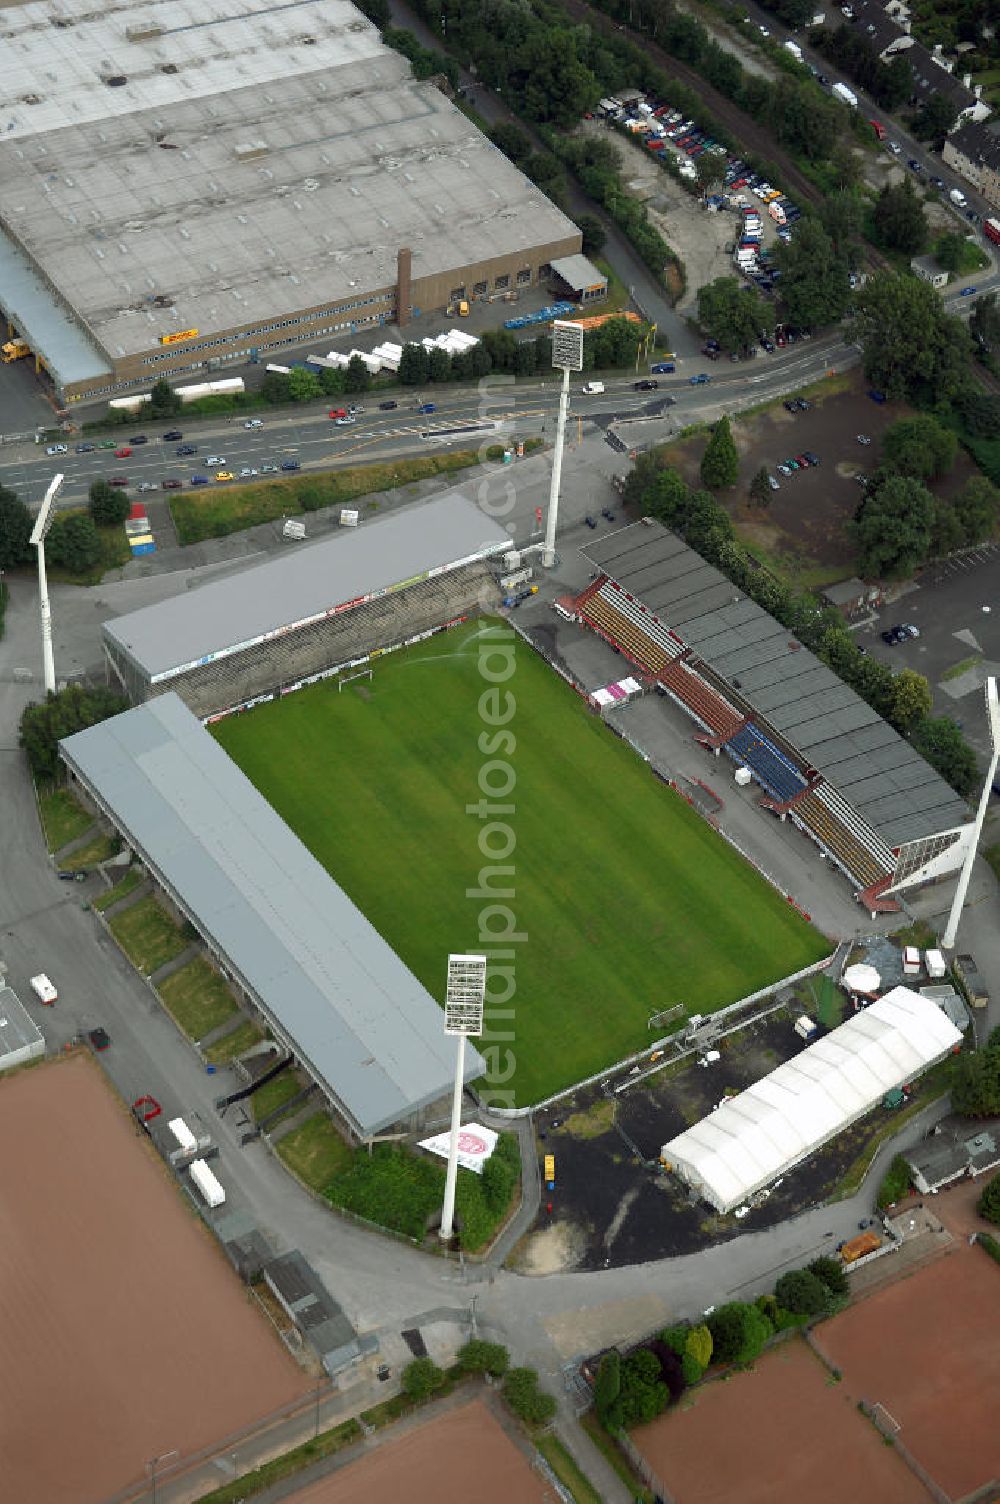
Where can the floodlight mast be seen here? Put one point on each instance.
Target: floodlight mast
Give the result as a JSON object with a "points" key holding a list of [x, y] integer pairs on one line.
{"points": [[38, 535], [567, 355], [463, 1015], [993, 716]]}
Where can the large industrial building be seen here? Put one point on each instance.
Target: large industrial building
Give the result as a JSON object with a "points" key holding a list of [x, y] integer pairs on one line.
{"points": [[183, 184], [325, 606], [306, 961], [823, 758], [779, 1121]]}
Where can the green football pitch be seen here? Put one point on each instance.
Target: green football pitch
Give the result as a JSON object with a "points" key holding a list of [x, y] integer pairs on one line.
{"points": [[628, 903]]}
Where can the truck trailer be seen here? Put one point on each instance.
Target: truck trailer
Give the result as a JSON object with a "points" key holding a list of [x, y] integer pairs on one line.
{"points": [[846, 95], [991, 229]]}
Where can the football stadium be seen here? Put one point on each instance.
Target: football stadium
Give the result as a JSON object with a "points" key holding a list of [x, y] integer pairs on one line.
{"points": [[457, 792]]}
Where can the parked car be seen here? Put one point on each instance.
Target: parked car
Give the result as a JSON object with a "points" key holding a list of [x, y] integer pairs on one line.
{"points": [[663, 368], [700, 380], [387, 407], [224, 475], [120, 481], [791, 407], [342, 422], [185, 449], [337, 412], [268, 469], [646, 386], [914, 165], [774, 483], [123, 453], [783, 469], [894, 635], [99, 1039], [607, 514], [199, 480], [146, 485], [56, 449], [863, 439], [108, 444], [427, 407], [171, 435], [590, 521], [793, 464], [84, 448], [967, 292], [140, 438], [170, 485], [812, 458], [215, 459], [247, 472], [290, 465]]}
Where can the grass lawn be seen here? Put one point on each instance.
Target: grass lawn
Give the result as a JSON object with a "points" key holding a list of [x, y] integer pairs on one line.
{"points": [[316, 1151], [131, 880], [213, 511], [272, 1096], [238, 1040], [63, 817], [628, 902], [566, 1470], [197, 997], [92, 852], [147, 935]]}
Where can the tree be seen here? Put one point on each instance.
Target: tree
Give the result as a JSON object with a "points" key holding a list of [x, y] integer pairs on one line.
{"points": [[422, 1378], [802, 1293], [976, 1083], [984, 322], [525, 359], [73, 709], [920, 447], [899, 220], [912, 348], [815, 277], [413, 365], [989, 1202], [514, 142], [947, 532], [274, 387], [738, 1332], [607, 1388], [841, 216], [730, 313], [15, 530], [438, 365], [528, 1402], [643, 1394], [934, 119], [760, 488], [303, 385], [720, 464], [73, 542], [949, 252], [893, 527], [709, 170], [911, 700], [594, 234], [976, 508], [941, 742], [699, 1345], [832, 1273], [108, 505], [483, 1357], [357, 377], [163, 400], [332, 381]]}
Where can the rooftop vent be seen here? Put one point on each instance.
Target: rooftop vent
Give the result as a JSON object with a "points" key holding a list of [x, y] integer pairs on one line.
{"points": [[117, 81], [168, 67], [311, 184], [31, 99], [167, 145], [249, 151], [143, 31]]}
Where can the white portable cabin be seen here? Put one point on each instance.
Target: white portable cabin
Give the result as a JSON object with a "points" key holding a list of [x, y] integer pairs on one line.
{"points": [[211, 1191]]}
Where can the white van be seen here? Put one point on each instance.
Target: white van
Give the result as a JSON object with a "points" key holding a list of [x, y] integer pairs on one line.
{"points": [[254, 423], [43, 988], [593, 388]]}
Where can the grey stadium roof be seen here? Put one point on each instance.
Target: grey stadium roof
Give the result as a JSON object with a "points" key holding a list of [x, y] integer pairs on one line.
{"points": [[303, 586], [838, 733], [350, 1009], [256, 160]]}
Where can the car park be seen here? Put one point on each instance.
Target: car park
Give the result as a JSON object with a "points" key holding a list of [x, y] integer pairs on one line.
{"points": [[171, 435], [140, 438], [170, 485], [290, 465], [84, 448], [123, 453], [185, 449], [224, 475], [56, 449]]}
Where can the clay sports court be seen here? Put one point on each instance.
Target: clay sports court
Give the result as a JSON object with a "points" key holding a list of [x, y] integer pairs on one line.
{"points": [[463, 1454], [126, 1334], [926, 1348], [780, 1434]]}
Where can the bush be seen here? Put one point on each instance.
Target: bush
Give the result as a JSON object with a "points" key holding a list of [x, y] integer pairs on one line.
{"points": [[607, 1388], [895, 1182], [802, 1293], [990, 1244], [528, 1402], [832, 1273], [422, 1378], [483, 1357], [989, 1202], [74, 542], [738, 1332], [108, 506], [15, 530]]}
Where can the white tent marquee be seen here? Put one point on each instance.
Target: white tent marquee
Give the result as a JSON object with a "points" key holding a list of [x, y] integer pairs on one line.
{"points": [[783, 1118]]}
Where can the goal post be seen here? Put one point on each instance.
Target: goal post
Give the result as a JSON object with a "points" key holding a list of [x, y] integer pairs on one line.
{"points": [[363, 673]]}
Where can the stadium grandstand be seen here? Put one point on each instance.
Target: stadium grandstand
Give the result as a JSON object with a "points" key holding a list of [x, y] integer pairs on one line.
{"points": [[308, 963], [781, 1120], [322, 608], [822, 757]]}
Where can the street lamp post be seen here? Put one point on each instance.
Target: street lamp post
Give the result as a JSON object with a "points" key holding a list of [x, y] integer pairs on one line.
{"points": [[154, 1462], [993, 716], [463, 1015], [38, 535], [567, 355]]}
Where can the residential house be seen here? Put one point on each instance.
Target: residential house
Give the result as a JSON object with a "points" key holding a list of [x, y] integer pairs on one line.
{"points": [[973, 151]]}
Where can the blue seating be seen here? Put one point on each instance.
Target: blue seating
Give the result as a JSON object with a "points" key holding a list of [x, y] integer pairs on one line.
{"points": [[751, 747]]}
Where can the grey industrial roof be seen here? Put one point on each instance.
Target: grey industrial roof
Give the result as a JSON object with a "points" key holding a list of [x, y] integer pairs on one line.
{"points": [[294, 588], [18, 1030], [837, 733], [256, 161], [352, 1012], [577, 272]]}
